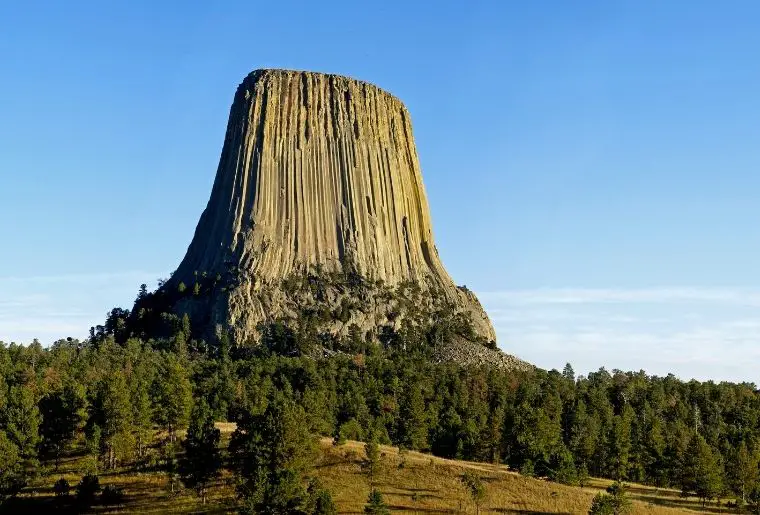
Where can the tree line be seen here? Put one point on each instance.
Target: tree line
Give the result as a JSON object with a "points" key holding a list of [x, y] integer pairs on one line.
{"points": [[109, 395]]}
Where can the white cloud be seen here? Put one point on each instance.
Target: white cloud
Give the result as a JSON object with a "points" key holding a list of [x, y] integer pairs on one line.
{"points": [[745, 297], [692, 332], [79, 278], [57, 306]]}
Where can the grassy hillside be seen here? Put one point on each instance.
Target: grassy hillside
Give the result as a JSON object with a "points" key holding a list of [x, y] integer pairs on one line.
{"points": [[424, 484], [410, 482]]}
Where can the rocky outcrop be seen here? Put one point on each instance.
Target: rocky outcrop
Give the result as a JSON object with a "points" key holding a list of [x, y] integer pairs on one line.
{"points": [[319, 176], [468, 354]]}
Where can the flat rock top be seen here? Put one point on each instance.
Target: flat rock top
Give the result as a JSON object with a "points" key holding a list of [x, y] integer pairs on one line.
{"points": [[263, 74]]}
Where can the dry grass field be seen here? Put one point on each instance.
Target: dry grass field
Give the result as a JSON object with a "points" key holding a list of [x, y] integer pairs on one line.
{"points": [[419, 483], [410, 482]]}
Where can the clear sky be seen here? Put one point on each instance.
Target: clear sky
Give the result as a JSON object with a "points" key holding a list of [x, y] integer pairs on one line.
{"points": [[593, 167]]}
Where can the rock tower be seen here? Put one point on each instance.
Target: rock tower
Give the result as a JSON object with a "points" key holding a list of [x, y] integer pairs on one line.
{"points": [[318, 183]]}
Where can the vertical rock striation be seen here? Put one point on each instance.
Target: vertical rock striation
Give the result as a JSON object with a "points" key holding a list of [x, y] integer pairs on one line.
{"points": [[317, 172]]}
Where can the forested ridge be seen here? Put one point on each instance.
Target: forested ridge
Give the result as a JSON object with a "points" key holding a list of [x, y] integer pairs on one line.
{"points": [[105, 396]]}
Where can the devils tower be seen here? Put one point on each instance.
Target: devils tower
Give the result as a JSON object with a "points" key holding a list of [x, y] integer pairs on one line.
{"points": [[318, 207]]}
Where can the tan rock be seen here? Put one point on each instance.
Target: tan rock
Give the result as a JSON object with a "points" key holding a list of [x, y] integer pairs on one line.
{"points": [[317, 172]]}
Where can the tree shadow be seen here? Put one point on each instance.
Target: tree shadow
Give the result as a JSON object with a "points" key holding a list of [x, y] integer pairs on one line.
{"points": [[416, 509], [529, 512], [679, 503], [36, 505]]}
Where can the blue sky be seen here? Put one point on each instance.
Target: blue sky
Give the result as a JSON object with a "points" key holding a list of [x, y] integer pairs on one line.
{"points": [[592, 166]]}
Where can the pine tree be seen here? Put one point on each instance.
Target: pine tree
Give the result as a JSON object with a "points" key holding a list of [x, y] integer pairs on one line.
{"points": [[582, 475], [492, 436], [678, 436], [21, 419], [372, 451], [87, 488], [413, 419], [202, 459], [3, 384], [602, 504], [170, 462], [568, 373], [112, 413], [92, 443], [475, 488], [375, 504], [744, 473], [537, 434], [562, 467], [142, 293], [141, 413], [619, 444], [701, 471], [273, 451], [583, 435], [62, 413], [182, 334], [445, 439], [614, 502], [11, 470], [654, 452], [173, 396], [319, 500]]}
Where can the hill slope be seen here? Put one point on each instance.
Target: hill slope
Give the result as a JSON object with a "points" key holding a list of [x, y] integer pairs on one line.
{"points": [[410, 482]]}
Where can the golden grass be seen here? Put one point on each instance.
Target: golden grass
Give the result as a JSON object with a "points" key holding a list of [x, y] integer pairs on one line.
{"points": [[411, 483], [425, 484]]}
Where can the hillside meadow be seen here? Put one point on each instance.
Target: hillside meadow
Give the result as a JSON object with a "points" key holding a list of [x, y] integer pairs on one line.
{"points": [[411, 482]]}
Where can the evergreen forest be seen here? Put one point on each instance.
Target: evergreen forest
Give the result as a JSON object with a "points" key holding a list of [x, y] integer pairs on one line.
{"points": [[108, 396]]}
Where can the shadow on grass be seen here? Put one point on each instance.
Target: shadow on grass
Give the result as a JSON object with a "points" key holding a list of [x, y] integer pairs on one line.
{"points": [[415, 490], [420, 497], [667, 497], [529, 512], [23, 505], [398, 507], [37, 505], [679, 503]]}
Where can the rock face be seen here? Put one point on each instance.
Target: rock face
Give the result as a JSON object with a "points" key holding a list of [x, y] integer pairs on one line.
{"points": [[318, 174]]}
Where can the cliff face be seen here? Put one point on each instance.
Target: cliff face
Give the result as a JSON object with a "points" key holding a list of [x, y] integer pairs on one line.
{"points": [[317, 172]]}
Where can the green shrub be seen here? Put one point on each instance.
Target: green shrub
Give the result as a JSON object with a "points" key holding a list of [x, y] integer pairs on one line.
{"points": [[349, 430], [87, 489], [614, 502], [111, 495]]}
